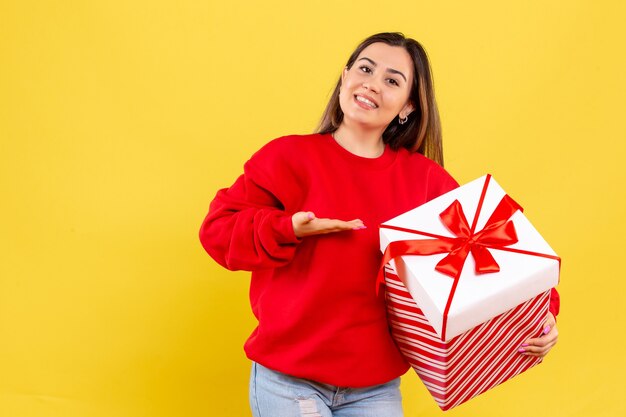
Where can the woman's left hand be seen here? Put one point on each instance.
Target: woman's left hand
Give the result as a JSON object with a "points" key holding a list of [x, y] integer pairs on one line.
{"points": [[540, 346]]}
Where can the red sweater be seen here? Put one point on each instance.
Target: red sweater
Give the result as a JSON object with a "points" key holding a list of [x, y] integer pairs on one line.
{"points": [[319, 317]]}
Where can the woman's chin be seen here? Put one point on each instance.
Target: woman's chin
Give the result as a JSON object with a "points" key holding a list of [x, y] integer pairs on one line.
{"points": [[364, 122]]}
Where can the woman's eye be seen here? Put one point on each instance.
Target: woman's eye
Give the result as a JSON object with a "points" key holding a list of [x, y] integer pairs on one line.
{"points": [[392, 81], [365, 68]]}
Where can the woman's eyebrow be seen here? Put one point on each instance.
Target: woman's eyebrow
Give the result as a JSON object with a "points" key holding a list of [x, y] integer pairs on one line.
{"points": [[391, 70]]}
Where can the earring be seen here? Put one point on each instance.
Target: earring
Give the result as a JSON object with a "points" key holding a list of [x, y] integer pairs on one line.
{"points": [[403, 120]]}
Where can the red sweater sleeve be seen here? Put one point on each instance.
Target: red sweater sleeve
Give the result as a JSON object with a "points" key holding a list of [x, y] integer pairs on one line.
{"points": [[555, 302], [246, 227]]}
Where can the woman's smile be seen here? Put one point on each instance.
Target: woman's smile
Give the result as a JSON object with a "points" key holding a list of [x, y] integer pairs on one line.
{"points": [[365, 102]]}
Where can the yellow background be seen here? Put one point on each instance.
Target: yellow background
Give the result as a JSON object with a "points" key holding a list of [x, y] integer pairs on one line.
{"points": [[119, 120]]}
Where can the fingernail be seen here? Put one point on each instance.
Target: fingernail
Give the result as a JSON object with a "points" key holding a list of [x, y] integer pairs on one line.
{"points": [[546, 330], [522, 350], [525, 344], [311, 216]]}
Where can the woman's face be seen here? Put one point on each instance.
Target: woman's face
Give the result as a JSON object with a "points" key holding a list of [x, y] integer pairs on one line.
{"points": [[376, 88]]}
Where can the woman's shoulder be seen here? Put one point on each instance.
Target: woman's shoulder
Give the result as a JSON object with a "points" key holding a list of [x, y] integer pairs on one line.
{"points": [[292, 141], [288, 146], [426, 167], [284, 152], [418, 160]]}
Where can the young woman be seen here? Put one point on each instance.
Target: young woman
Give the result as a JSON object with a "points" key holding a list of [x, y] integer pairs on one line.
{"points": [[303, 218]]}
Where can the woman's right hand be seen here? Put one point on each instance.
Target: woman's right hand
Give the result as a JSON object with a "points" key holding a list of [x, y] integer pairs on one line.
{"points": [[306, 224]]}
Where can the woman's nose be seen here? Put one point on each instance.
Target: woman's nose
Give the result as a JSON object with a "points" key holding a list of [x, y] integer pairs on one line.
{"points": [[371, 85]]}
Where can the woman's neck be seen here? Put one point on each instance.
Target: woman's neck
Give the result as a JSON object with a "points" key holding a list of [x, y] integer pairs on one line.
{"points": [[367, 143]]}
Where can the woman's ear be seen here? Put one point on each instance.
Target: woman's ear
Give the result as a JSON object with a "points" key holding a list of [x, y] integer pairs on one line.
{"points": [[407, 109]]}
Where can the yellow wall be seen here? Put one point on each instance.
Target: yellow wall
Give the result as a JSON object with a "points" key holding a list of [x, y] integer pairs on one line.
{"points": [[120, 119]]}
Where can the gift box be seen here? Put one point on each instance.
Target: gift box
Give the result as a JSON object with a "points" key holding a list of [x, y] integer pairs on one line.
{"points": [[468, 280]]}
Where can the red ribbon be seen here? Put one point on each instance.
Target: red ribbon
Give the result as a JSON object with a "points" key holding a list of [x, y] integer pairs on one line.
{"points": [[498, 233]]}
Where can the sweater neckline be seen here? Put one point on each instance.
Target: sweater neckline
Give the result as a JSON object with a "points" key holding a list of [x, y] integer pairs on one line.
{"points": [[387, 158]]}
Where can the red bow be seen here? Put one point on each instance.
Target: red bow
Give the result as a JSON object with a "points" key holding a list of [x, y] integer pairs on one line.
{"points": [[498, 232]]}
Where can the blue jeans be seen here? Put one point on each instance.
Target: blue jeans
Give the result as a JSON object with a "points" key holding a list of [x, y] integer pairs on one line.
{"points": [[274, 394]]}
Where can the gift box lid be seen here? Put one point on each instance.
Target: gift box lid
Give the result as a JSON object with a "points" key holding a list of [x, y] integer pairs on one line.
{"points": [[477, 297]]}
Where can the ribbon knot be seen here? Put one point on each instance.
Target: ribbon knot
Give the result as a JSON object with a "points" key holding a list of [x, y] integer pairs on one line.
{"points": [[498, 232]]}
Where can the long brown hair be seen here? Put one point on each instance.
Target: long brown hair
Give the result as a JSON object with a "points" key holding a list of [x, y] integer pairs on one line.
{"points": [[422, 132]]}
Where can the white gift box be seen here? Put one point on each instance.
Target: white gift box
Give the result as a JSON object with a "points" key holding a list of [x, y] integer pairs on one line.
{"points": [[527, 268]]}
